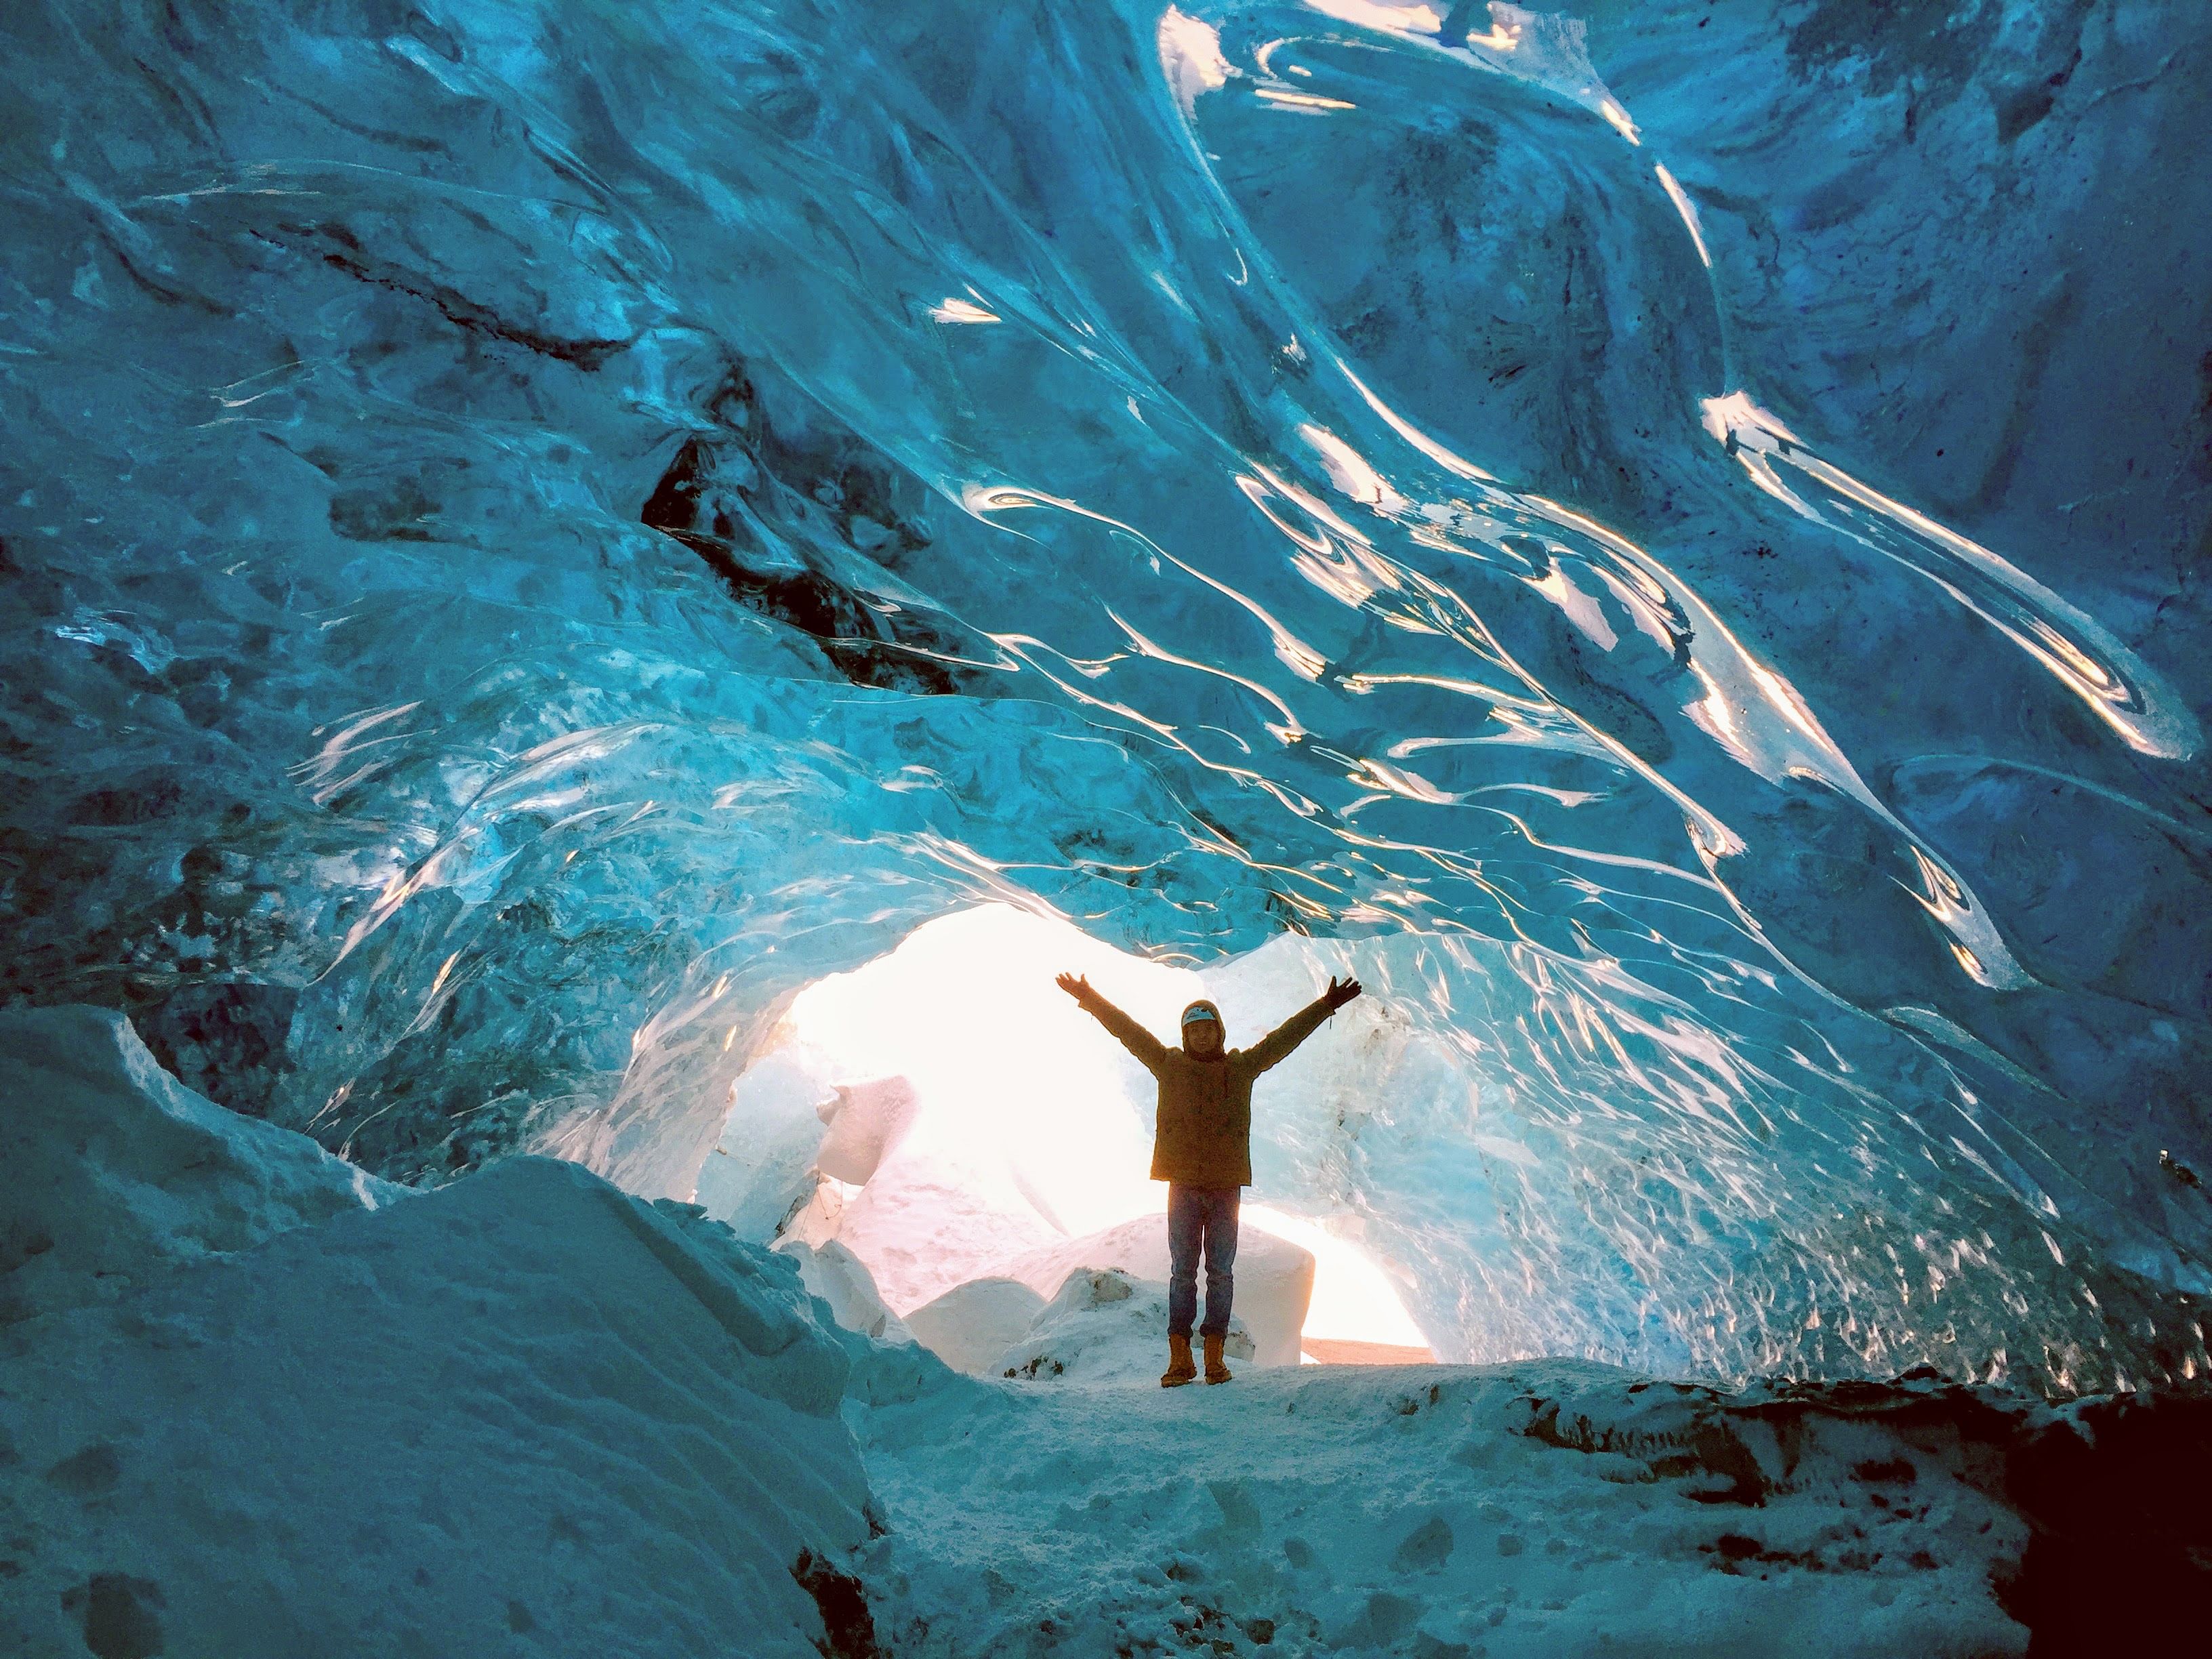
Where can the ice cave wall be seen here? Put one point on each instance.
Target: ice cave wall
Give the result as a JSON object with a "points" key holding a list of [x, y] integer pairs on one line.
{"points": [[533, 530]]}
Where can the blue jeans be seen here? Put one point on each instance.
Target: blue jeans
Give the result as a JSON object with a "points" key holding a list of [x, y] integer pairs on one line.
{"points": [[1200, 1217]]}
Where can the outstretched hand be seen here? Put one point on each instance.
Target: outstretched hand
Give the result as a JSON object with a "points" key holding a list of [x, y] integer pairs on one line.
{"points": [[1340, 992], [1077, 987]]}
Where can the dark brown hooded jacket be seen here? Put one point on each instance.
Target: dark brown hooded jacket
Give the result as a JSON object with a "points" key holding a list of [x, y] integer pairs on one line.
{"points": [[1203, 1133]]}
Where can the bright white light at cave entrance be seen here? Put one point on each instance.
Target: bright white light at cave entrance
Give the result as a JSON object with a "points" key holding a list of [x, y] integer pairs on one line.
{"points": [[1028, 1103], [1354, 1299]]}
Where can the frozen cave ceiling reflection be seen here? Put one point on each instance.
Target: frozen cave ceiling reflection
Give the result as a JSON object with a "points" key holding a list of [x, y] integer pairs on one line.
{"points": [[535, 532]]}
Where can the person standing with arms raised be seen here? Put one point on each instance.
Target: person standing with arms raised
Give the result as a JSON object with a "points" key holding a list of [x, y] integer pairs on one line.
{"points": [[1202, 1148]]}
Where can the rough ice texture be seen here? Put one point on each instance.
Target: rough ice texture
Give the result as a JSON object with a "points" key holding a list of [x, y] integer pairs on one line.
{"points": [[528, 1413], [531, 531], [762, 1167]]}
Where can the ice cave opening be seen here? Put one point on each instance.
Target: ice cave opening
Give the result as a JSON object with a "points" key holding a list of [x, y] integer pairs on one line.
{"points": [[947, 1116], [595, 595]]}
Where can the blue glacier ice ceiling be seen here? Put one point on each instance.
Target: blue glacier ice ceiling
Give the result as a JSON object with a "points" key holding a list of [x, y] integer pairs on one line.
{"points": [[1673, 537]]}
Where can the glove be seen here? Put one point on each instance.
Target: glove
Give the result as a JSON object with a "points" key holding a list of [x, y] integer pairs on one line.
{"points": [[1341, 992]]}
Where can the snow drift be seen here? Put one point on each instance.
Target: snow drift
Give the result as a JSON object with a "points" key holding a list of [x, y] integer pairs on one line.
{"points": [[526, 1414]]}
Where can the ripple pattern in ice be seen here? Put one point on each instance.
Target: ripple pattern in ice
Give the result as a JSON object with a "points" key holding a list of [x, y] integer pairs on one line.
{"points": [[535, 529]]}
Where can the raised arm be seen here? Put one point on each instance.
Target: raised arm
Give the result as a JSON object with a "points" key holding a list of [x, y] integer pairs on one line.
{"points": [[1149, 1051], [1276, 1047]]}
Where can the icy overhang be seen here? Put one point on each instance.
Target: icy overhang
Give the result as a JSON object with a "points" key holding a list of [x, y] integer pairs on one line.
{"points": [[546, 534]]}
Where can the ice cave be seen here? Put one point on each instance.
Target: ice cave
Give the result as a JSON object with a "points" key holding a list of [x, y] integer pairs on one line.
{"points": [[600, 596]]}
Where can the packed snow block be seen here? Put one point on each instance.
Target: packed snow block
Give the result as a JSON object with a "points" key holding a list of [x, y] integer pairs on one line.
{"points": [[972, 1324], [1101, 1326], [1274, 1278], [896, 1373], [867, 1121], [762, 1166], [841, 1280], [525, 1413], [116, 1171], [888, 1366]]}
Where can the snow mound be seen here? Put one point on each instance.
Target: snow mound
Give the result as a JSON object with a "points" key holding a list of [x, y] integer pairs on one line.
{"points": [[841, 1280], [525, 1413], [116, 1171], [888, 1366], [1274, 1277], [972, 1324], [1102, 1327]]}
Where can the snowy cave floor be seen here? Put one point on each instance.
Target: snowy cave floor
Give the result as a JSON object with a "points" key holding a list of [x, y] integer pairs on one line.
{"points": [[256, 1404], [1438, 1511]]}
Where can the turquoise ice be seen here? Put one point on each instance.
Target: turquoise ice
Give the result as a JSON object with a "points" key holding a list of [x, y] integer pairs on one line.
{"points": [[535, 532]]}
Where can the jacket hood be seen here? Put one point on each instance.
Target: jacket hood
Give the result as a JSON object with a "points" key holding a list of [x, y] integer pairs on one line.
{"points": [[1203, 1012]]}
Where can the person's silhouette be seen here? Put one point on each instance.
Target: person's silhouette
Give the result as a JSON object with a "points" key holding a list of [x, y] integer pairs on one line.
{"points": [[1202, 1148]]}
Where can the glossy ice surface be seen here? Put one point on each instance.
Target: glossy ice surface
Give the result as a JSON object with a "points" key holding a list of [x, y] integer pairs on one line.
{"points": [[1667, 541]]}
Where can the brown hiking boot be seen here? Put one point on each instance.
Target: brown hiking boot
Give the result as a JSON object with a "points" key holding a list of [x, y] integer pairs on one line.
{"points": [[1215, 1371], [1181, 1368]]}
